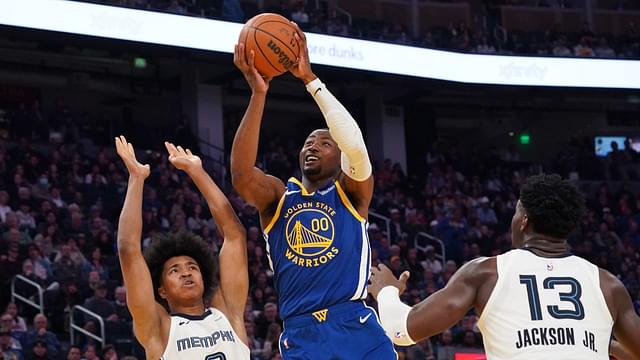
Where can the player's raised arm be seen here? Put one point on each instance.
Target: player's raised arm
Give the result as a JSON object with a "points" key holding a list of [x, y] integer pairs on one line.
{"points": [[234, 274], [357, 178], [408, 325], [148, 316], [257, 188]]}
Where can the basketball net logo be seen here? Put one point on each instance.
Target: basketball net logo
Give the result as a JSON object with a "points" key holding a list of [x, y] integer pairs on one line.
{"points": [[320, 315]]}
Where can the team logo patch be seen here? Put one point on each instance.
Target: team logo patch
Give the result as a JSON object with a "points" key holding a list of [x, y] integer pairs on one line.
{"points": [[310, 232], [320, 315]]}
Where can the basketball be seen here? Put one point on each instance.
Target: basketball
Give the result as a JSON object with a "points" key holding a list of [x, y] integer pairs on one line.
{"points": [[271, 37]]}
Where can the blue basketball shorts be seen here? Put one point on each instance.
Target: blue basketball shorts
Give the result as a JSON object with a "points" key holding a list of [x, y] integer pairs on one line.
{"points": [[349, 331]]}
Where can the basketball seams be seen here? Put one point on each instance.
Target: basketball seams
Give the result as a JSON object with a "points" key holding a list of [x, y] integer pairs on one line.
{"points": [[264, 56], [256, 28], [272, 42]]}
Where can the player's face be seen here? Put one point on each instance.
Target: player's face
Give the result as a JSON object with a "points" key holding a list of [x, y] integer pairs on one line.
{"points": [[320, 155], [518, 223], [181, 280]]}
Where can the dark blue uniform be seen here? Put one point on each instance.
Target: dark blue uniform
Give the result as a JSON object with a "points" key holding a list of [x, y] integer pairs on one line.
{"points": [[319, 251]]}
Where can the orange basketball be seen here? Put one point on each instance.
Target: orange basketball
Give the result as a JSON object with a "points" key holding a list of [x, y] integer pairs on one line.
{"points": [[270, 36]]}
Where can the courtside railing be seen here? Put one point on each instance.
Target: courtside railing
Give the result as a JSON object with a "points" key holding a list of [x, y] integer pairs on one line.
{"points": [[422, 240], [75, 327], [18, 279], [381, 218]]}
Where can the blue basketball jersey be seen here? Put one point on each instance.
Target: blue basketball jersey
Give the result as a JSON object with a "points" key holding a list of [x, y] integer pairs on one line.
{"points": [[318, 249]]}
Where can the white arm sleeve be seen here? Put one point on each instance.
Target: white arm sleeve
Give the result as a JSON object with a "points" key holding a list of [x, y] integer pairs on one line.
{"points": [[344, 130], [393, 316]]}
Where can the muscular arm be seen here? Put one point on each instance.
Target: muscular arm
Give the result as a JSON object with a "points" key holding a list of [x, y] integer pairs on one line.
{"points": [[257, 188], [626, 325], [447, 306], [439, 311], [619, 352], [356, 177], [149, 318], [234, 273]]}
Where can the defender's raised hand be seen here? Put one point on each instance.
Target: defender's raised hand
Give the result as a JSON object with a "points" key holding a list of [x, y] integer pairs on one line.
{"points": [[257, 82], [128, 156], [381, 277], [181, 158]]}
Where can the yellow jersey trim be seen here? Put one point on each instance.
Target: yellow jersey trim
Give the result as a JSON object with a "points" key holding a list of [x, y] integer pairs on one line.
{"points": [[302, 188], [276, 215], [347, 203]]}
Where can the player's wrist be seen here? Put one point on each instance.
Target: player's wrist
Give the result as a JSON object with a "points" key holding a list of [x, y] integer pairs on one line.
{"points": [[307, 78]]}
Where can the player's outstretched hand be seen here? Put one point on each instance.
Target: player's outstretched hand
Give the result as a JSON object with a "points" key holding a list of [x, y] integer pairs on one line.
{"points": [[302, 69], [182, 159], [382, 277], [257, 82], [128, 156]]}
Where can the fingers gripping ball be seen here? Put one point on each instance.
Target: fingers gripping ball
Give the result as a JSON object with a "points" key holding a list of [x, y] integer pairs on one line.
{"points": [[271, 37]]}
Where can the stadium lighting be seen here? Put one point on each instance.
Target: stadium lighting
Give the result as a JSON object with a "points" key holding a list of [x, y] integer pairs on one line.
{"points": [[198, 33], [139, 62]]}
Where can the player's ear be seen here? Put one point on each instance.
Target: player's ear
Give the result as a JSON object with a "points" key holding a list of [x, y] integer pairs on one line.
{"points": [[162, 292], [524, 222]]}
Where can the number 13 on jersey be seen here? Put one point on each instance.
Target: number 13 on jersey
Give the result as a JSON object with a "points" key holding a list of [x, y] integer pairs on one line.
{"points": [[571, 297]]}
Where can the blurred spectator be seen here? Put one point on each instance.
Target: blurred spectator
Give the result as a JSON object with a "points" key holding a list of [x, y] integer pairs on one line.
{"points": [[41, 337], [560, 48], [74, 353], [266, 318], [99, 304], [300, 16], [40, 351], [232, 11], [583, 49], [10, 347], [485, 213], [19, 323], [90, 352], [603, 49]]}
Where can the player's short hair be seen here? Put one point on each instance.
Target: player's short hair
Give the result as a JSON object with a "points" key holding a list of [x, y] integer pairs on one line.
{"points": [[555, 206], [164, 247]]}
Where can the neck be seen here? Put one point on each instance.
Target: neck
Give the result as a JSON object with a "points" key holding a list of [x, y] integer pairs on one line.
{"points": [[195, 309], [313, 185], [546, 246]]}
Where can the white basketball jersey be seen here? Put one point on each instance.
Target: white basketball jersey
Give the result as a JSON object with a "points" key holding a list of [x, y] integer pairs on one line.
{"points": [[206, 337], [546, 308]]}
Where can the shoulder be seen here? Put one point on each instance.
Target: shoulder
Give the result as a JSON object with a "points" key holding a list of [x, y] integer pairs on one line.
{"points": [[480, 266], [477, 271]]}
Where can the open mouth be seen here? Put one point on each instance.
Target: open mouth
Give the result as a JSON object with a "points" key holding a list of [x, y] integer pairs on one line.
{"points": [[309, 159], [188, 283]]}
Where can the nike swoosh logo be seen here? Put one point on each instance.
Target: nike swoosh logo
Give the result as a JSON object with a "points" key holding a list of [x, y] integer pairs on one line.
{"points": [[364, 319], [317, 90], [289, 192]]}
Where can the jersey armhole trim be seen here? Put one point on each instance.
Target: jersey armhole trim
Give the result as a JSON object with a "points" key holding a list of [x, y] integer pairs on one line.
{"points": [[600, 296], [169, 338], [494, 292], [347, 203], [276, 215]]}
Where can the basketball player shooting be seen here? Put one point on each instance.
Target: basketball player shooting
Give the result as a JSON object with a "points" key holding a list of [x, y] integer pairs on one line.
{"points": [[535, 302], [181, 309], [315, 228]]}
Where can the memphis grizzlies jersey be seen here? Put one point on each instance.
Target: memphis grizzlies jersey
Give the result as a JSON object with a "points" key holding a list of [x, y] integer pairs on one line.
{"points": [[318, 248], [546, 308], [206, 337]]}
